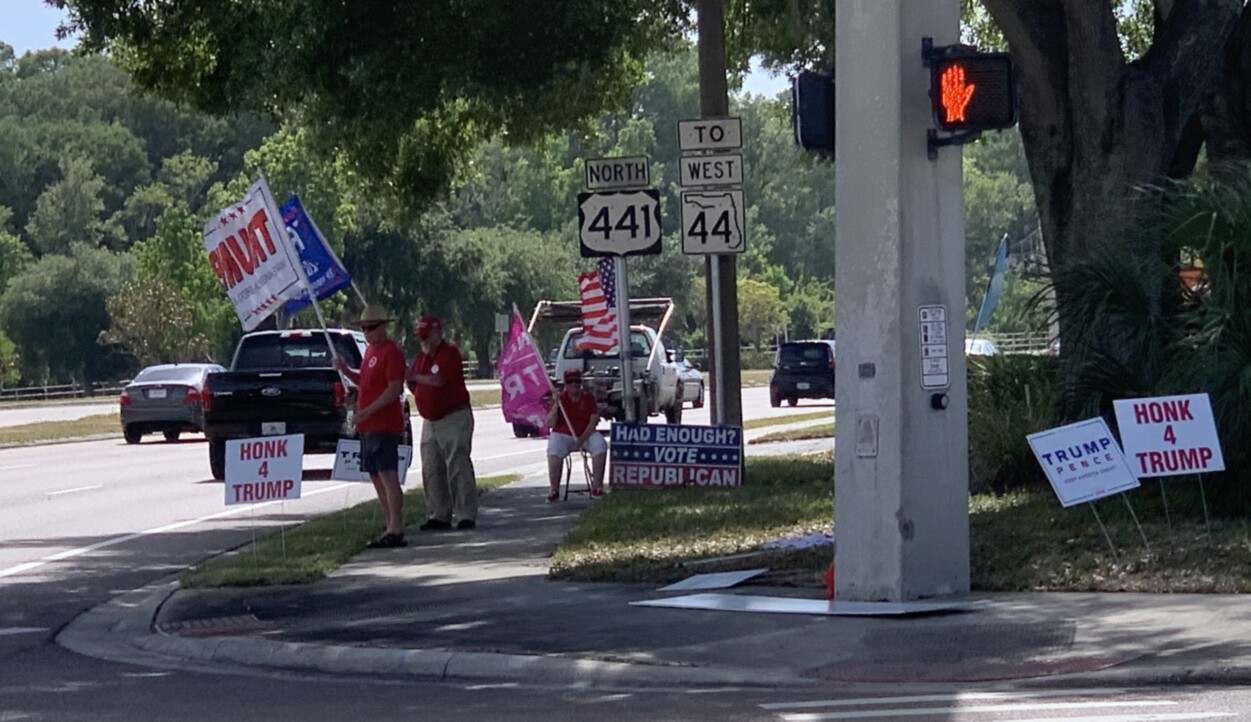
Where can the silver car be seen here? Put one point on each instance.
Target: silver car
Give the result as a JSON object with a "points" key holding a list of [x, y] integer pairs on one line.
{"points": [[691, 383], [167, 398]]}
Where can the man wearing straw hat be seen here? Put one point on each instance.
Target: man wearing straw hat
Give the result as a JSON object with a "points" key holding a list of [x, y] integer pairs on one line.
{"points": [[379, 419], [572, 418]]}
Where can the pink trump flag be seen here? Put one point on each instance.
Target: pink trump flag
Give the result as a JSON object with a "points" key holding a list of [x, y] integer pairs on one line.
{"points": [[523, 378]]}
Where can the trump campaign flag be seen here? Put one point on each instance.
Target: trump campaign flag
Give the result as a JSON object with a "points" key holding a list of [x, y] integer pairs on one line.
{"points": [[324, 270], [599, 307], [523, 378], [249, 252]]}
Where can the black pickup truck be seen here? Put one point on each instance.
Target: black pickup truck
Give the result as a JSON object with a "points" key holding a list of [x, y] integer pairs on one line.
{"points": [[281, 382]]}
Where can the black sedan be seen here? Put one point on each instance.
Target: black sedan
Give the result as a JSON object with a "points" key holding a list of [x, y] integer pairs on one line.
{"points": [[166, 398]]}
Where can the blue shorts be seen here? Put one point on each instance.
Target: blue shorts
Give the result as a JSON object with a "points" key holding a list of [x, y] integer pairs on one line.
{"points": [[379, 452]]}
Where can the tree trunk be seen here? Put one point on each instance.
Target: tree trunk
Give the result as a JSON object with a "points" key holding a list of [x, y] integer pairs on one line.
{"points": [[1097, 129], [1226, 115]]}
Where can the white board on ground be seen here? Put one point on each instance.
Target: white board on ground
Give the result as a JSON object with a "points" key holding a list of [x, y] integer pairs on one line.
{"points": [[788, 605], [269, 468], [717, 580]]}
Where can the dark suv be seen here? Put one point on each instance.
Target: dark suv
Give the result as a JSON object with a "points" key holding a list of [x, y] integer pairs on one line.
{"points": [[802, 370]]}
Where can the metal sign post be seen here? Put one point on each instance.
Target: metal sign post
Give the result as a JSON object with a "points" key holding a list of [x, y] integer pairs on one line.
{"points": [[623, 345]]}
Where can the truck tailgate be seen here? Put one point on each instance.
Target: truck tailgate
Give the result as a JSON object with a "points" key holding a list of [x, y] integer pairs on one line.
{"points": [[277, 395]]}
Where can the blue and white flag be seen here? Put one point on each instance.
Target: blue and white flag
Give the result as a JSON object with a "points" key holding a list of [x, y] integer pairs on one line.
{"points": [[994, 289], [323, 268]]}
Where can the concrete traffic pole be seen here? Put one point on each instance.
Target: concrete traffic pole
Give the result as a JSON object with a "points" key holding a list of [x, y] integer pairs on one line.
{"points": [[901, 465]]}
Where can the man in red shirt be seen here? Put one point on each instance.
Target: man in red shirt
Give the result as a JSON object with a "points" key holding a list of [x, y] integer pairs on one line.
{"points": [[572, 418], [437, 380], [379, 419]]}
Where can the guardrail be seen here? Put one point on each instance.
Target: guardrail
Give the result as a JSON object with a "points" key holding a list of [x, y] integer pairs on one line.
{"points": [[60, 391]]}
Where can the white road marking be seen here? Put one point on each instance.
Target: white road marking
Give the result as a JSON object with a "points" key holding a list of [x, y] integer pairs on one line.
{"points": [[1154, 717], [1034, 707], [18, 466], [76, 489], [7, 631], [70, 553], [952, 697]]}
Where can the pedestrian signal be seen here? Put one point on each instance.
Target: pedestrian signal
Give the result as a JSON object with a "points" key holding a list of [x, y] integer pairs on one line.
{"points": [[973, 92]]}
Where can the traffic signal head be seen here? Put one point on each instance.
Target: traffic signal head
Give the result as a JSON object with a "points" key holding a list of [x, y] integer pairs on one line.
{"points": [[812, 111], [974, 91]]}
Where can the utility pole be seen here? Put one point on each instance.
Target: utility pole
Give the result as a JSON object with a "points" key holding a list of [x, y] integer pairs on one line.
{"points": [[901, 471], [720, 271]]}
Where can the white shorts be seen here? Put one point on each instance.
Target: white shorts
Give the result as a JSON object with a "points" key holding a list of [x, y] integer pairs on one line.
{"points": [[562, 445]]}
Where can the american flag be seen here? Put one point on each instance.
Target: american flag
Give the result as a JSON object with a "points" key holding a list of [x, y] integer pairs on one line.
{"points": [[599, 307]]}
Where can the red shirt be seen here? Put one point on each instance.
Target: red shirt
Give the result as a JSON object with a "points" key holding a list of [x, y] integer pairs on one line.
{"points": [[435, 402], [383, 364], [579, 412]]}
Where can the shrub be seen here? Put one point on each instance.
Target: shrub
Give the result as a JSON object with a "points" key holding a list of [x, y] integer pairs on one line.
{"points": [[1010, 396]]}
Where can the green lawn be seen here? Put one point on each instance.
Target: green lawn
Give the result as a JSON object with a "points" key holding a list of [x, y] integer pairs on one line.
{"points": [[309, 551], [1019, 542]]}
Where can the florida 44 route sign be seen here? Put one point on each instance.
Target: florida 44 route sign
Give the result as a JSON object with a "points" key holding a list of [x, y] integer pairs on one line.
{"points": [[713, 222], [619, 223]]}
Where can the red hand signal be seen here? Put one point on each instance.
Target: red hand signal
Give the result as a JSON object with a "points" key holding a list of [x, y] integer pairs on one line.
{"points": [[956, 94]]}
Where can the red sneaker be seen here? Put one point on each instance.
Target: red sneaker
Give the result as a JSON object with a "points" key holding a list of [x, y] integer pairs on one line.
{"points": [[553, 497]]}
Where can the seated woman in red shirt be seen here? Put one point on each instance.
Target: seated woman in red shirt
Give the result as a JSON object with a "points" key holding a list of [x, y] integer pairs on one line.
{"points": [[572, 418]]}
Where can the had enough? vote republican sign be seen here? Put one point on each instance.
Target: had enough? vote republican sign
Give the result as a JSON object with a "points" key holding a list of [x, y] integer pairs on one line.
{"points": [[656, 456], [268, 468]]}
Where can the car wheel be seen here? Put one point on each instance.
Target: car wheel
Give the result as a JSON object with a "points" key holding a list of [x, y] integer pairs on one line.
{"points": [[131, 434], [673, 414], [522, 431], [792, 401], [172, 436], [774, 400], [217, 458], [699, 400]]}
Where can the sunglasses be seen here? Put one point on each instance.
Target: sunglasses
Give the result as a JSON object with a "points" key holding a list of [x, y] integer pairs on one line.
{"points": [[371, 326]]}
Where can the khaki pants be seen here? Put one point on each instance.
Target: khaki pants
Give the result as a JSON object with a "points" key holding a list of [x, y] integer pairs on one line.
{"points": [[446, 470]]}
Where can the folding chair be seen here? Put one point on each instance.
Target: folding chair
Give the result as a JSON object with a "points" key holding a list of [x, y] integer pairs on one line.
{"points": [[586, 473]]}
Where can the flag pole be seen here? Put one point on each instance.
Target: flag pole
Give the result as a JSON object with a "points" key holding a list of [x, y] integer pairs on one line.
{"points": [[299, 269]]}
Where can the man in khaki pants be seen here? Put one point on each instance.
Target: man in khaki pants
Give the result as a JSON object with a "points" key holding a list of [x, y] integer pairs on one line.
{"points": [[437, 380]]}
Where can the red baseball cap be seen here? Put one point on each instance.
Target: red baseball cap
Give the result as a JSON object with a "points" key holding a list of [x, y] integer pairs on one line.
{"points": [[426, 324], [573, 374]]}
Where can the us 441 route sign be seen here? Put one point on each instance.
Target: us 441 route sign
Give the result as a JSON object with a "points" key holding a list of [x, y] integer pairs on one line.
{"points": [[619, 223]]}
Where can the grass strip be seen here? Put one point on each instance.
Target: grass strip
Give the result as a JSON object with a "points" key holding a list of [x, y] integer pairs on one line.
{"points": [[55, 430], [1023, 541], [779, 420], [820, 431], [638, 535], [313, 548]]}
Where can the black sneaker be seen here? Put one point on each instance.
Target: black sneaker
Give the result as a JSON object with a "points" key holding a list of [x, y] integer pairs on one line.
{"points": [[466, 524], [435, 525], [388, 541]]}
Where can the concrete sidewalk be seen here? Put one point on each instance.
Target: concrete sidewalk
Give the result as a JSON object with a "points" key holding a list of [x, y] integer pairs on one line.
{"points": [[477, 605]]}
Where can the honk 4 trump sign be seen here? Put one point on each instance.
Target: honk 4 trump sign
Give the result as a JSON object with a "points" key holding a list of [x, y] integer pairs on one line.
{"points": [[1169, 435], [1082, 461], [268, 468], [250, 254]]}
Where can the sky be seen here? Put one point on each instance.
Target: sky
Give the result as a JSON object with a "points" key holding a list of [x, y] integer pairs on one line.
{"points": [[31, 25]]}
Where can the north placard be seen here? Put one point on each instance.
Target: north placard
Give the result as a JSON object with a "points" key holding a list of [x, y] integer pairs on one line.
{"points": [[620, 223]]}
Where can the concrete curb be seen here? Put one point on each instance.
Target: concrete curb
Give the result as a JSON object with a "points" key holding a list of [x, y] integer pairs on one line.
{"points": [[121, 630]]}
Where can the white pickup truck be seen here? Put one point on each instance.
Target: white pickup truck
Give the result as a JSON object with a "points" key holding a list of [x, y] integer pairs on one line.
{"points": [[657, 388]]}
